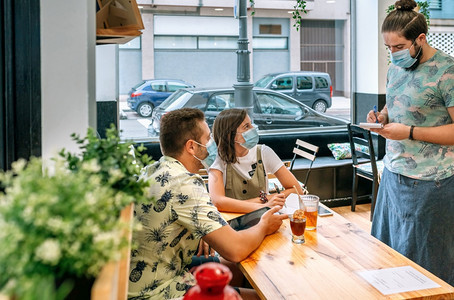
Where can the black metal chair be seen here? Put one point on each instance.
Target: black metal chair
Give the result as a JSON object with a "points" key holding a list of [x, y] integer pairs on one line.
{"points": [[367, 167]]}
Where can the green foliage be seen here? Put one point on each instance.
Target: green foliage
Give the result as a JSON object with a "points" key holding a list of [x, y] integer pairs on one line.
{"points": [[55, 223], [118, 163], [64, 221], [300, 8]]}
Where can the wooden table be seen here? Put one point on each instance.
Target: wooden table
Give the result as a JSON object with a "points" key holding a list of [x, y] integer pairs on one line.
{"points": [[325, 266]]}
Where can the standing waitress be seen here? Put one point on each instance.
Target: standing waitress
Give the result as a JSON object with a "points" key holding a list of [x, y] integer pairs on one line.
{"points": [[238, 178], [415, 204]]}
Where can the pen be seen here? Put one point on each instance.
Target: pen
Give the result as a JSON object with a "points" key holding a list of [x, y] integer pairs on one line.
{"points": [[375, 113], [277, 189]]}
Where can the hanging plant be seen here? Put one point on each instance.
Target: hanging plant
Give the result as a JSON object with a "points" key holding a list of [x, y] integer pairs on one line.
{"points": [[299, 9]]}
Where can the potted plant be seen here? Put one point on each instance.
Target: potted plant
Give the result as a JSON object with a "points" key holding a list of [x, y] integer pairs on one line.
{"points": [[60, 226]]}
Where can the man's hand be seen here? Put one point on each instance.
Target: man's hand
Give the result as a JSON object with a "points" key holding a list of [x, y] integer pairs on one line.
{"points": [[394, 131], [205, 249], [272, 222], [372, 117]]}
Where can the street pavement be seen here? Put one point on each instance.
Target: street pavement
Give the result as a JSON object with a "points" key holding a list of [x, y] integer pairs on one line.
{"points": [[132, 126]]}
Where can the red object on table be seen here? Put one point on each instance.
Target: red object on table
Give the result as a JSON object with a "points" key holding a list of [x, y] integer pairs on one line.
{"points": [[212, 283]]}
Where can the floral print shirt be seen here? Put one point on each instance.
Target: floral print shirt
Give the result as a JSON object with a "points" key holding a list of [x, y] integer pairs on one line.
{"points": [[179, 212], [421, 98]]}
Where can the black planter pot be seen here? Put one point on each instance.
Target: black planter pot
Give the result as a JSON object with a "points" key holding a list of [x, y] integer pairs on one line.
{"points": [[81, 287]]}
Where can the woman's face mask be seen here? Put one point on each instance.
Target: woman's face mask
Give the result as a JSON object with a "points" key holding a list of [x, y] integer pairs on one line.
{"points": [[212, 149], [251, 138], [403, 58]]}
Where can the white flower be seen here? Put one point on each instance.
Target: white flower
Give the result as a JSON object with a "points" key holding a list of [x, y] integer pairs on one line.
{"points": [[90, 198], [115, 174], [49, 252], [55, 224], [104, 237], [18, 165], [91, 165], [27, 214]]}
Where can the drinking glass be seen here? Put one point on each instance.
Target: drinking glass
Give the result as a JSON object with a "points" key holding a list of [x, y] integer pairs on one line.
{"points": [[298, 227], [310, 210]]}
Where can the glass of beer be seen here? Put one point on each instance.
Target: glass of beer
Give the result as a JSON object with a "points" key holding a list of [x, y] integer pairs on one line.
{"points": [[298, 226], [310, 210]]}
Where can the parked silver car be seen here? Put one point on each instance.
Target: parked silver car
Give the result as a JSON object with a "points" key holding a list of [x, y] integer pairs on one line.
{"points": [[271, 110], [312, 88]]}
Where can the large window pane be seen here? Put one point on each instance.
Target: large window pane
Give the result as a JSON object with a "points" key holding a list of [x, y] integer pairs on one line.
{"points": [[269, 43], [218, 42], [175, 42]]}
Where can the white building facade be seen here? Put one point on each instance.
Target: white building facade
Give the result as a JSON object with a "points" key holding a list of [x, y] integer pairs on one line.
{"points": [[196, 41]]}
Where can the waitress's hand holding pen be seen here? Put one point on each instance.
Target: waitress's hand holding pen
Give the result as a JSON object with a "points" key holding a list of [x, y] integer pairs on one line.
{"points": [[374, 116]]}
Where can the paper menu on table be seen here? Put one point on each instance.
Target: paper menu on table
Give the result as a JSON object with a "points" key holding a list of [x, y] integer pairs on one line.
{"points": [[291, 203], [398, 280]]}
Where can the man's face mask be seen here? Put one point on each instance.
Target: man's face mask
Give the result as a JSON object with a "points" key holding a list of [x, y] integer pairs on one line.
{"points": [[212, 149], [251, 138], [403, 58]]}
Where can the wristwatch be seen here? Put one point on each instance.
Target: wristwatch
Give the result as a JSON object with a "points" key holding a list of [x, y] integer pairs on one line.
{"points": [[410, 137]]}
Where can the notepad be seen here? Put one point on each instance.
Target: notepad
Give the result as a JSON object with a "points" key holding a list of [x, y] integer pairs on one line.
{"points": [[370, 125]]}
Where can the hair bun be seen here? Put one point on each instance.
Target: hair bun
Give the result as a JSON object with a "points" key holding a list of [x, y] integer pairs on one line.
{"points": [[405, 5]]}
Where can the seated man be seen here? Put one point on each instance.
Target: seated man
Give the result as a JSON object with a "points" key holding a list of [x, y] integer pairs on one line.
{"points": [[179, 212]]}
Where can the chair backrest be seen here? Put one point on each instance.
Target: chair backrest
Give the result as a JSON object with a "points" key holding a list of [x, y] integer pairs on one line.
{"points": [[362, 137], [302, 149]]}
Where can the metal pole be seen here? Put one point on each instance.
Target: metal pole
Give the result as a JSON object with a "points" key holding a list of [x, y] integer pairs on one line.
{"points": [[243, 88]]}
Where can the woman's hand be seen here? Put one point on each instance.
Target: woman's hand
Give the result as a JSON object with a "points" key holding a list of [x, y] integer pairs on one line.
{"points": [[275, 199]]}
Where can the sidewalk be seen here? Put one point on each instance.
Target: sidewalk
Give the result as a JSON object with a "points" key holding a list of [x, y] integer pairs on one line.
{"points": [[340, 102]]}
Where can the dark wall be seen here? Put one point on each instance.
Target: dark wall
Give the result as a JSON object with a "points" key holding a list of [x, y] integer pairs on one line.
{"points": [[363, 104], [107, 114], [20, 81]]}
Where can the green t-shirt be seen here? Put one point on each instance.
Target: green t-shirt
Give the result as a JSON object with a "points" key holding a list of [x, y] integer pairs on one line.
{"points": [[421, 98], [177, 215]]}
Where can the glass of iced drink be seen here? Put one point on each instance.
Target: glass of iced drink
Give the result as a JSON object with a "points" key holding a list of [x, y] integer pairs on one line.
{"points": [[310, 210], [298, 226]]}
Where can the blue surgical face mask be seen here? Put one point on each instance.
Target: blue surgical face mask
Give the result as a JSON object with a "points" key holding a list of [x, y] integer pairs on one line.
{"points": [[251, 138], [403, 58], [212, 149]]}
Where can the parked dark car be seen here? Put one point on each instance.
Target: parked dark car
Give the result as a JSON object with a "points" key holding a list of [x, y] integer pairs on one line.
{"points": [[148, 94], [312, 88], [272, 110]]}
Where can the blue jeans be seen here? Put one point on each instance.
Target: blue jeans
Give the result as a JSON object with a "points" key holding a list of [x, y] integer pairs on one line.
{"points": [[416, 218]]}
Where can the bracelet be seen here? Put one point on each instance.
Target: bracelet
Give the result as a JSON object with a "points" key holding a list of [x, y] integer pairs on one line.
{"points": [[263, 197], [410, 137]]}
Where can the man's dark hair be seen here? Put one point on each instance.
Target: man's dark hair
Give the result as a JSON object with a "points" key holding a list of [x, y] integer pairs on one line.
{"points": [[405, 21], [179, 126], [224, 131]]}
